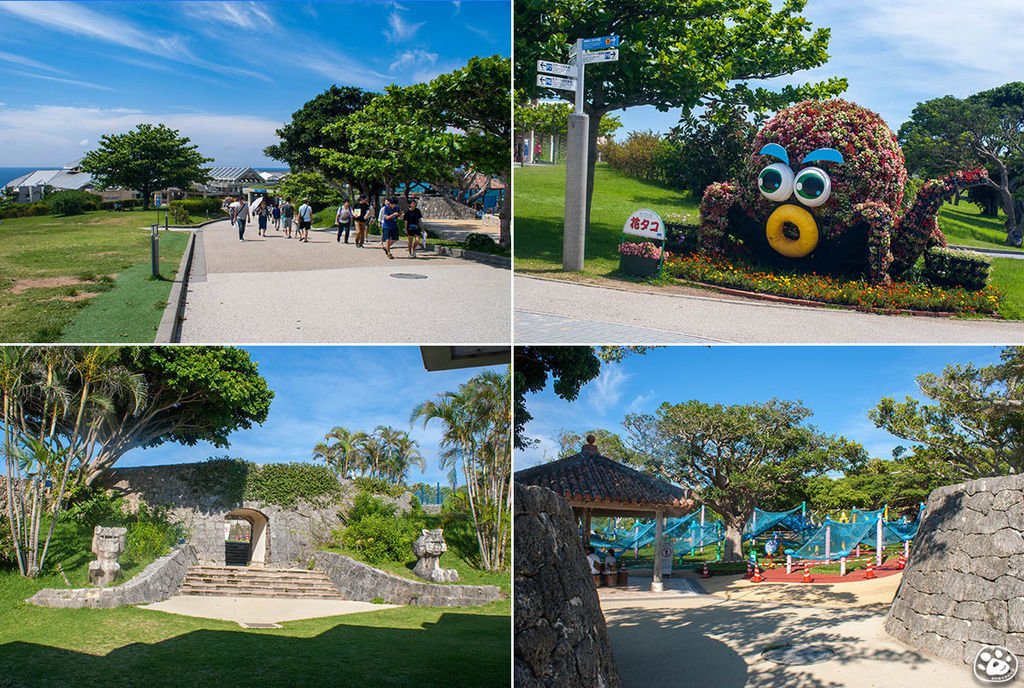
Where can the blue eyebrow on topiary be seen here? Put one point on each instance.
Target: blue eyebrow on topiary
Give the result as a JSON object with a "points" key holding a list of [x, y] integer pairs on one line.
{"points": [[825, 154], [776, 151]]}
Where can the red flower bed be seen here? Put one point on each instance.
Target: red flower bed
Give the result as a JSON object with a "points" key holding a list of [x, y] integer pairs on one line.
{"points": [[813, 287]]}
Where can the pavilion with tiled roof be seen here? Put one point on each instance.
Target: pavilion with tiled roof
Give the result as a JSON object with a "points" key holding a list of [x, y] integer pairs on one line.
{"points": [[595, 485]]}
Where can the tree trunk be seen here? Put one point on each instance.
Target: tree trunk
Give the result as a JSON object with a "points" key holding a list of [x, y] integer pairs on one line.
{"points": [[505, 216], [732, 547], [595, 120]]}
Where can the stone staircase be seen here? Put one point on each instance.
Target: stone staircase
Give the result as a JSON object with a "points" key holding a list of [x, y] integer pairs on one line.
{"points": [[240, 581]]}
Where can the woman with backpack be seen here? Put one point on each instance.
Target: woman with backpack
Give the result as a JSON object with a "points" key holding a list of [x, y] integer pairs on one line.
{"points": [[344, 219]]}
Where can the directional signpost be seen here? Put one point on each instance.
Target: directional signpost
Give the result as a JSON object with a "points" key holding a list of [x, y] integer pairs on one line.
{"points": [[569, 77]]}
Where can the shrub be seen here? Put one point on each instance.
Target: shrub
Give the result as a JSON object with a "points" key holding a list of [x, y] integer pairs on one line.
{"points": [[706, 149], [72, 202], [477, 242], [379, 486], [366, 504], [200, 206], [180, 214], [950, 267], [25, 210], [635, 156], [125, 205], [379, 538]]}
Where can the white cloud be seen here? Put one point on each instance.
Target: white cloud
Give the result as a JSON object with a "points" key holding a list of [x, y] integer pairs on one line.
{"points": [[401, 30], [458, 6], [243, 15], [605, 392], [413, 59], [60, 80], [28, 62], [83, 143], [57, 132]]}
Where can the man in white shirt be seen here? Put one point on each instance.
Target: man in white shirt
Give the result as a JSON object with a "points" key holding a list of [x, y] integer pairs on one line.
{"points": [[239, 211], [594, 560], [305, 220]]}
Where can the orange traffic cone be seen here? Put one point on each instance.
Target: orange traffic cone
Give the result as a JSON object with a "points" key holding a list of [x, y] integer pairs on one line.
{"points": [[758, 578], [869, 572], [706, 574], [902, 563], [750, 570], [807, 573]]}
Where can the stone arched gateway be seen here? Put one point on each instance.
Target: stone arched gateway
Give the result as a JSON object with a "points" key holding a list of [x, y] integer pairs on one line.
{"points": [[246, 538]]}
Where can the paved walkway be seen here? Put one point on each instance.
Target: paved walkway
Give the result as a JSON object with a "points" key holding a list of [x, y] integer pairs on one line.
{"points": [[706, 640], [260, 609], [272, 289], [601, 313]]}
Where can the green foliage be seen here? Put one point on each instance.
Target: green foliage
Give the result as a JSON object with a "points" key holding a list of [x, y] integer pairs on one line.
{"points": [[635, 156], [179, 214], [25, 210], [72, 202], [376, 533], [149, 158], [379, 486], [236, 480], [309, 186], [198, 206], [476, 241], [368, 504], [949, 267], [706, 149]]}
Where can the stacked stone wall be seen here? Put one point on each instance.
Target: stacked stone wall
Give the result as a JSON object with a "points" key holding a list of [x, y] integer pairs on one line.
{"points": [[157, 582], [357, 581], [560, 633], [964, 584]]}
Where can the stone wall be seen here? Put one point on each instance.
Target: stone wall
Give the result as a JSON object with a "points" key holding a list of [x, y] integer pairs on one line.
{"points": [[293, 533], [443, 208], [157, 582], [964, 583], [357, 581], [560, 633]]}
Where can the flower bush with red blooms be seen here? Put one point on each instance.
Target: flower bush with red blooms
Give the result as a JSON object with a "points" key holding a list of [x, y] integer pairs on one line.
{"points": [[890, 297], [644, 249]]}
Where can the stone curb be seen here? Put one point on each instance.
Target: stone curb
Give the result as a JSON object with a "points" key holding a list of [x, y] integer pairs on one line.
{"points": [[486, 258], [169, 331]]}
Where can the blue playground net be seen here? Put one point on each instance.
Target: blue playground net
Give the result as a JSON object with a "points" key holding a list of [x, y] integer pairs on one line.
{"points": [[763, 521], [834, 540]]}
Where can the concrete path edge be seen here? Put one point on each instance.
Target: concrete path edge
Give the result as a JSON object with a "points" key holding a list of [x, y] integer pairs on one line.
{"points": [[169, 331]]}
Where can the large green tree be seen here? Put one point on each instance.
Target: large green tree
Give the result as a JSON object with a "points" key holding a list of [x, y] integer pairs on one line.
{"points": [[737, 457], [146, 159], [973, 426], [986, 130], [306, 132], [674, 53]]}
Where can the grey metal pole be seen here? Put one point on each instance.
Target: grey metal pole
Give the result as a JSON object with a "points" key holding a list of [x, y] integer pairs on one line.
{"points": [[574, 229], [154, 243]]}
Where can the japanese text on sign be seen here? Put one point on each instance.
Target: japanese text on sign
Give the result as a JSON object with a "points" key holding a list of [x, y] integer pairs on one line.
{"points": [[645, 223]]}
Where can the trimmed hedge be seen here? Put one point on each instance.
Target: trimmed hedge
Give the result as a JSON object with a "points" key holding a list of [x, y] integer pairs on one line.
{"points": [[25, 210], [72, 202], [198, 206], [950, 267]]}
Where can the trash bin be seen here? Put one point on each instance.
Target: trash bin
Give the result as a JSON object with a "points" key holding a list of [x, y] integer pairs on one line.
{"points": [[623, 578]]}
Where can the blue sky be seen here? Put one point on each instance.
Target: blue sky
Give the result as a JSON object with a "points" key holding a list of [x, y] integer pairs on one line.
{"points": [[896, 54], [227, 74], [318, 387], [840, 384]]}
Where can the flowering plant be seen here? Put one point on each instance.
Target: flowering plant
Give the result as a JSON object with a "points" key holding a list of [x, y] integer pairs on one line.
{"points": [[644, 249]]}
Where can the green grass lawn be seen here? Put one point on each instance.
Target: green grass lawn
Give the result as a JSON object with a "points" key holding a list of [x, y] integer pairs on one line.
{"points": [[540, 205], [963, 225], [424, 646], [83, 277]]}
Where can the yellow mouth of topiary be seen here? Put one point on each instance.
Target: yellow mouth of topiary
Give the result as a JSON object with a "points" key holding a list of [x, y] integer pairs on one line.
{"points": [[792, 231]]}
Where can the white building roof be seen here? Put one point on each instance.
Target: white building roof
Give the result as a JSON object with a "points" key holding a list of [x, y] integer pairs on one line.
{"points": [[35, 178], [234, 174]]}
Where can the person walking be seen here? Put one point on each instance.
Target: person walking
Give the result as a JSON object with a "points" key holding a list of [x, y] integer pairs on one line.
{"points": [[287, 215], [305, 220], [413, 227], [240, 215], [361, 214], [276, 215], [262, 215], [389, 225], [344, 219]]}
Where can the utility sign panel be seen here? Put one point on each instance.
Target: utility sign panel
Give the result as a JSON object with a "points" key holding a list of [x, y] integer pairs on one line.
{"points": [[545, 67], [601, 42], [601, 56], [645, 223], [556, 82]]}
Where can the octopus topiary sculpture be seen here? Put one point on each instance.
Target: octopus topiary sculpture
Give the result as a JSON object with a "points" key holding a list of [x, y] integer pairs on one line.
{"points": [[823, 190]]}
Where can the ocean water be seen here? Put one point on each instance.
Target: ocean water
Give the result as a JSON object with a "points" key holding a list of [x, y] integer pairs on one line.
{"points": [[9, 173]]}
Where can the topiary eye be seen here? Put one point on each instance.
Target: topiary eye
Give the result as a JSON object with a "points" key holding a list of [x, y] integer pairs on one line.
{"points": [[813, 187], [776, 182]]}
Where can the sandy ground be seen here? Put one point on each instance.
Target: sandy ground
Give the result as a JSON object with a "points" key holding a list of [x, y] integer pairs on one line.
{"points": [[717, 639], [260, 609]]}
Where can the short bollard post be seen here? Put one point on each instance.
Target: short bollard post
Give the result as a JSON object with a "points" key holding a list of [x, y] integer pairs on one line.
{"points": [[154, 242], [842, 566], [789, 564]]}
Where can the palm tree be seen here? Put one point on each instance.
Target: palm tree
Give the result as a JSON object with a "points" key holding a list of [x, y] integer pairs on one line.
{"points": [[339, 455], [477, 421], [402, 454]]}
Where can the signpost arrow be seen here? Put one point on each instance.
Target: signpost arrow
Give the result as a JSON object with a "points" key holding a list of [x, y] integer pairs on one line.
{"points": [[546, 67], [601, 56], [556, 82], [601, 42]]}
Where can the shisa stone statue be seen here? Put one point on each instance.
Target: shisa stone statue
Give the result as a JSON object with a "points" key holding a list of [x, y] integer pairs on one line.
{"points": [[428, 548], [107, 544]]}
